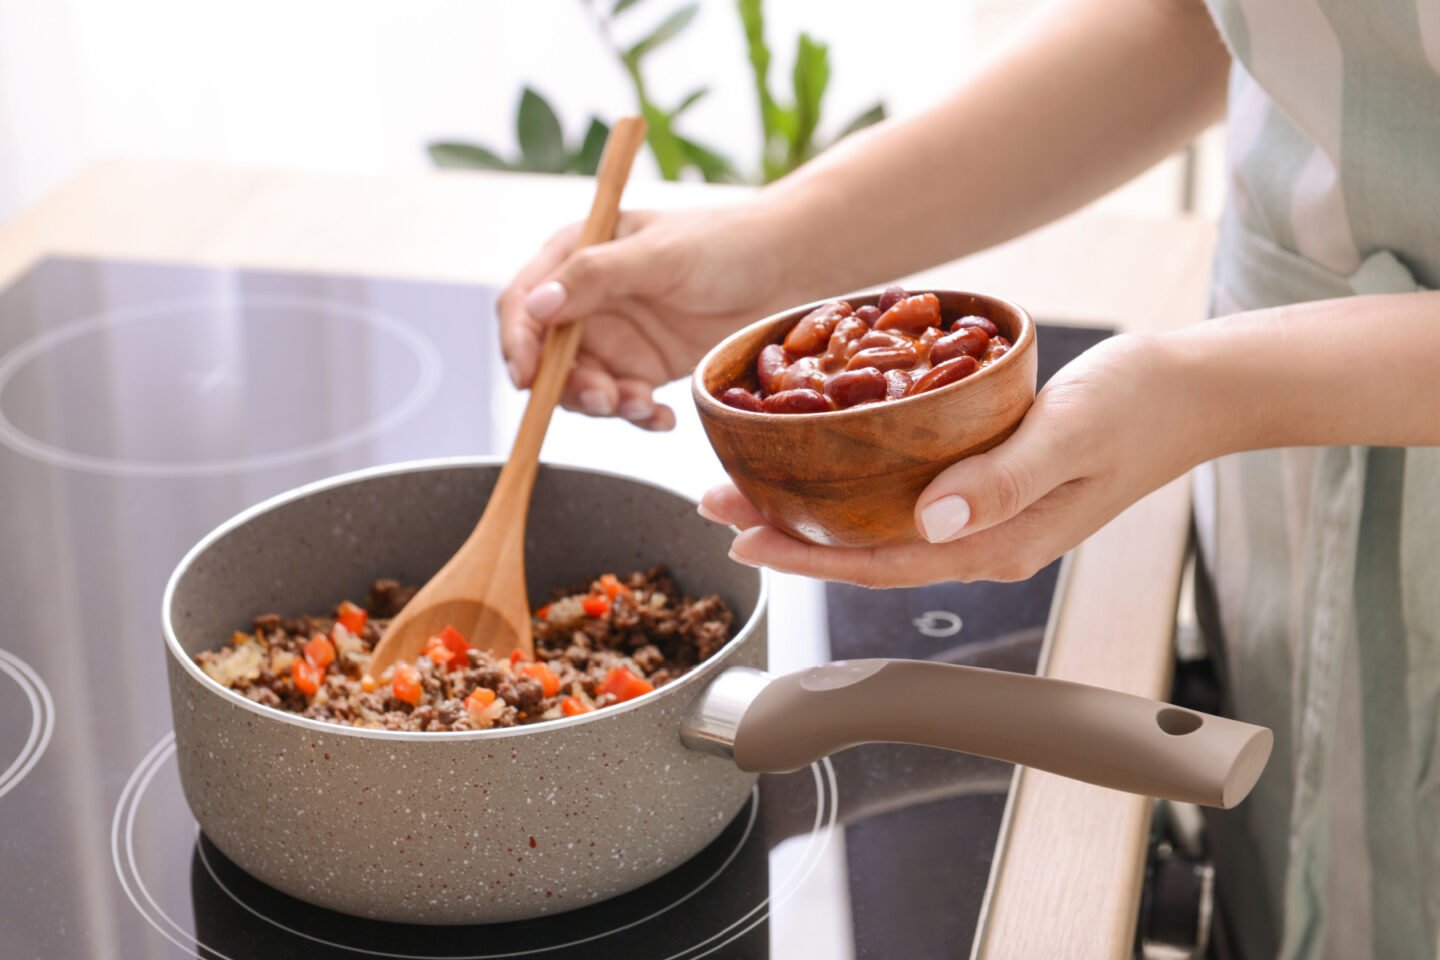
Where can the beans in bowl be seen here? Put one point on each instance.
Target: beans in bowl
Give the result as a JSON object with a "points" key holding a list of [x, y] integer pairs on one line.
{"points": [[595, 645], [838, 357]]}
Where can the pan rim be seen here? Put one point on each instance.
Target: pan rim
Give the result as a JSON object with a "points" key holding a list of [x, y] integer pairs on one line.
{"points": [[210, 685]]}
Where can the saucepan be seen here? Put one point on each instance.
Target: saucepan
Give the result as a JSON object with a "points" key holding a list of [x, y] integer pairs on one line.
{"points": [[505, 824]]}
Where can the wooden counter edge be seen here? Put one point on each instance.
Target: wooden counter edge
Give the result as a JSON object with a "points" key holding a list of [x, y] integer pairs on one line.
{"points": [[1066, 882]]}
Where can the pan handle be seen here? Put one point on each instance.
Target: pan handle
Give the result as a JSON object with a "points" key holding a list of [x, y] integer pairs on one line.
{"points": [[1087, 733]]}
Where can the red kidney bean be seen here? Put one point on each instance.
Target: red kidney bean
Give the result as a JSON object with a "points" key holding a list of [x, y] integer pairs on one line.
{"points": [[814, 329], [945, 373], [897, 384], [741, 399], [803, 374], [928, 340], [884, 338], [912, 315], [996, 351], [890, 297], [797, 401], [984, 324], [869, 314], [855, 387], [884, 358], [770, 367], [965, 342], [842, 343]]}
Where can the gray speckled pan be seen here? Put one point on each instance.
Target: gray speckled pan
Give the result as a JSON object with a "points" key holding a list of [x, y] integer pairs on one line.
{"points": [[486, 826]]}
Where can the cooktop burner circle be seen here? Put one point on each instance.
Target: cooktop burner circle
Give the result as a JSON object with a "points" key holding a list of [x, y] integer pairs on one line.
{"points": [[128, 868], [42, 720], [178, 375]]}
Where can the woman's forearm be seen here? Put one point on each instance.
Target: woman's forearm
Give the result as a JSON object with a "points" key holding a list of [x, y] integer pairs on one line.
{"points": [[1091, 93], [1362, 370]]}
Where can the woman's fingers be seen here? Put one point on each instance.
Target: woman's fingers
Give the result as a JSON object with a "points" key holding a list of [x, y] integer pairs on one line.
{"points": [[726, 504], [520, 333], [661, 421], [585, 281], [636, 400], [990, 488], [1010, 551], [590, 390]]}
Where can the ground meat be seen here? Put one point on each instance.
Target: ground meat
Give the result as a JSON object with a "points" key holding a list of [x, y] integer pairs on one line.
{"points": [[644, 624]]}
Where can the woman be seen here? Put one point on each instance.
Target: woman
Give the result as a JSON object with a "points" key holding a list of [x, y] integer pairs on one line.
{"points": [[1319, 530]]}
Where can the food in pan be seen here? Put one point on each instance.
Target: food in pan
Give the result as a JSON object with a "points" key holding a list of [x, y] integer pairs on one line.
{"points": [[596, 645], [839, 357]]}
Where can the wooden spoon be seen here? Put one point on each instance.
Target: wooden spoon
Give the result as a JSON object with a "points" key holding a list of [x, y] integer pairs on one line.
{"points": [[481, 590]]}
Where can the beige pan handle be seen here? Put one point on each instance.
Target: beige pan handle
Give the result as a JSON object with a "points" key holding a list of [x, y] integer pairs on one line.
{"points": [[1087, 733]]}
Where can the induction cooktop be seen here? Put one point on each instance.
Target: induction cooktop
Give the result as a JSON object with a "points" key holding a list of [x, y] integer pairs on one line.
{"points": [[143, 404]]}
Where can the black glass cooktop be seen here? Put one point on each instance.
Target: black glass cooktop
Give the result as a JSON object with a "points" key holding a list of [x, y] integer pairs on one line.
{"points": [[140, 405]]}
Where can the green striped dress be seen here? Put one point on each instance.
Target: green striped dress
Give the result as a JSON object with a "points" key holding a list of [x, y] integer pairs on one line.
{"points": [[1323, 564]]}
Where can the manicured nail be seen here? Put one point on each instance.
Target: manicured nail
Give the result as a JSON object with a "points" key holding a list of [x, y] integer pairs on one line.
{"points": [[944, 519], [514, 372], [708, 514], [636, 409], [745, 560], [545, 299], [595, 403]]}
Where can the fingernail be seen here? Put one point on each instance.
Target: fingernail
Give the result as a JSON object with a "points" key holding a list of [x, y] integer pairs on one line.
{"points": [[595, 403], [545, 299], [944, 519], [636, 409], [708, 514], [514, 372], [745, 560]]}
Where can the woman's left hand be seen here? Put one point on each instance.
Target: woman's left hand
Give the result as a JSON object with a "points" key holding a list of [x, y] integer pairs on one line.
{"points": [[1115, 424]]}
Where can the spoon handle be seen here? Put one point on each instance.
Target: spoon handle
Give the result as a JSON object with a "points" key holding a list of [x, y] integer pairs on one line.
{"points": [[558, 353]]}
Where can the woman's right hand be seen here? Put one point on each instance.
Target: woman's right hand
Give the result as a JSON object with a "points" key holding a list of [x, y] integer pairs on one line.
{"points": [[654, 300]]}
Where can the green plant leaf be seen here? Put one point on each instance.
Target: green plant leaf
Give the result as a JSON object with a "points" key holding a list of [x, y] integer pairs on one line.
{"points": [[465, 156], [714, 167], [689, 101], [669, 156], [621, 6], [587, 161], [541, 143], [810, 78], [668, 29], [868, 118], [752, 16]]}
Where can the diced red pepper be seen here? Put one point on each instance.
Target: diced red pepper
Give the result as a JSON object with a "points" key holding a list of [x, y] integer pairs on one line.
{"points": [[436, 650], [306, 676], [544, 612], [352, 617], [612, 586], [319, 652], [548, 681], [515, 657], [624, 684], [448, 648], [480, 698], [456, 641], [574, 706], [406, 684], [596, 606]]}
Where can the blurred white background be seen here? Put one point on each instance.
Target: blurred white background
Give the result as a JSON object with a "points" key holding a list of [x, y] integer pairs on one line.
{"points": [[362, 85]]}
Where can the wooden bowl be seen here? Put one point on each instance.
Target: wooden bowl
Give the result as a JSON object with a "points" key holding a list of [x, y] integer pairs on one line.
{"points": [[851, 477]]}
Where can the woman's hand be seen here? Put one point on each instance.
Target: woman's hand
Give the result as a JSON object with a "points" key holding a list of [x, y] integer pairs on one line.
{"points": [[1117, 423], [654, 300]]}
